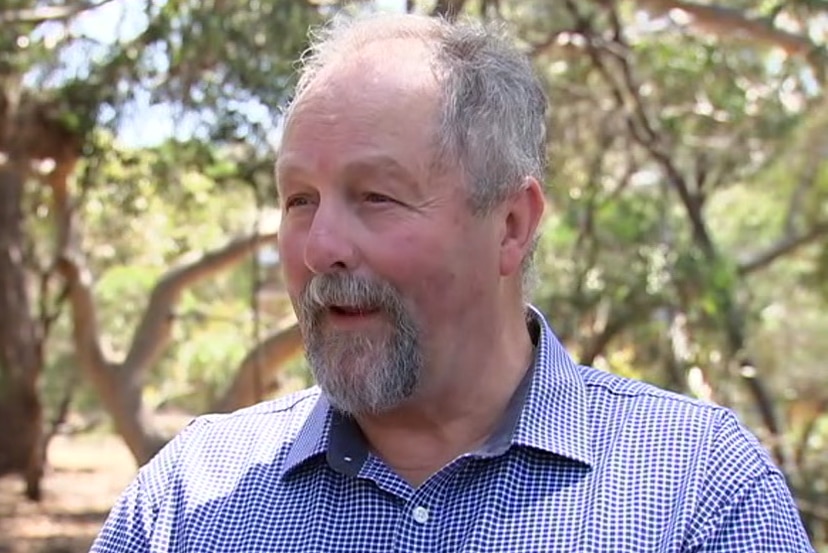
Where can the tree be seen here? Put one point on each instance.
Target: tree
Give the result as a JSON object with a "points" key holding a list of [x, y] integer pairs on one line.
{"points": [[205, 57], [19, 346], [22, 123]]}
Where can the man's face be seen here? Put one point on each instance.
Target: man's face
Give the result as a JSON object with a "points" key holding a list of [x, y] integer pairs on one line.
{"points": [[382, 257]]}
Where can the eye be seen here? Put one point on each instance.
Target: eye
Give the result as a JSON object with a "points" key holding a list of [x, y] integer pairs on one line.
{"points": [[296, 201], [375, 198]]}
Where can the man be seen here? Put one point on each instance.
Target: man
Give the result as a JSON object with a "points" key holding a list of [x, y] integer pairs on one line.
{"points": [[447, 417]]}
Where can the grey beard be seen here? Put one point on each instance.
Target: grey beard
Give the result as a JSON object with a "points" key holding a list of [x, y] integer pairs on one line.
{"points": [[360, 374]]}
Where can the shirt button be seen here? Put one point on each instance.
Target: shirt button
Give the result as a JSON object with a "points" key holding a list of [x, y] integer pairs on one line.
{"points": [[420, 514]]}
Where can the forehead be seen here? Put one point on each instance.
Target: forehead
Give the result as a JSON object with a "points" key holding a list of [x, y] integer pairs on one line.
{"points": [[376, 104]]}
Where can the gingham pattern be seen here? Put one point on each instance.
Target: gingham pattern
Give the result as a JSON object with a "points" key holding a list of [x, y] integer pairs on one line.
{"points": [[596, 463]]}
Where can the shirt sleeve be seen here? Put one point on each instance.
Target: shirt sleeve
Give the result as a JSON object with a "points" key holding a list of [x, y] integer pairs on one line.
{"points": [[129, 524], [762, 519]]}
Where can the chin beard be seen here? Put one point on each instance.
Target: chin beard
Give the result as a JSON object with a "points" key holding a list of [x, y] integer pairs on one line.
{"points": [[365, 375]]}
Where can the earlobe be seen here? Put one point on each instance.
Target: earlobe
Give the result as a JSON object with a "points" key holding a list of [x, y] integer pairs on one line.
{"points": [[524, 210]]}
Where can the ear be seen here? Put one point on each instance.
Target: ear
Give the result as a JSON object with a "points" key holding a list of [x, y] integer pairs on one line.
{"points": [[522, 215]]}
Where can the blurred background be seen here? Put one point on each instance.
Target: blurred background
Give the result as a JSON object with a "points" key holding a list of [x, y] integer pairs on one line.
{"points": [[686, 242]]}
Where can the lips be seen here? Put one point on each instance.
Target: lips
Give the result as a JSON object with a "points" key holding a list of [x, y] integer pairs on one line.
{"points": [[351, 311]]}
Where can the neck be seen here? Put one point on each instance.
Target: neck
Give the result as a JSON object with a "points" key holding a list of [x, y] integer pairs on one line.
{"points": [[457, 410]]}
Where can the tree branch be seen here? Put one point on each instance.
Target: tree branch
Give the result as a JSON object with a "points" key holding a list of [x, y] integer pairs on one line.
{"points": [[726, 22], [767, 410], [784, 246], [154, 331], [120, 385], [77, 277], [638, 307], [260, 365], [118, 390], [85, 332], [644, 131], [808, 430], [48, 13], [626, 93]]}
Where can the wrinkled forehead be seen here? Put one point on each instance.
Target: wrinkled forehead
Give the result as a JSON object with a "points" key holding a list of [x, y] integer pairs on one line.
{"points": [[386, 92]]}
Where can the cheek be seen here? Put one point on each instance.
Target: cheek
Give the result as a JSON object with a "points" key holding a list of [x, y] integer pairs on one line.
{"points": [[291, 258], [432, 269], [413, 261], [470, 268]]}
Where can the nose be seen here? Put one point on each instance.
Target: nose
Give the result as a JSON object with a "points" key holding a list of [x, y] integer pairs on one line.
{"points": [[329, 246]]}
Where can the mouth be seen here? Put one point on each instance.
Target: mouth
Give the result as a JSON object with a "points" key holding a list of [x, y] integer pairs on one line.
{"points": [[351, 310]]}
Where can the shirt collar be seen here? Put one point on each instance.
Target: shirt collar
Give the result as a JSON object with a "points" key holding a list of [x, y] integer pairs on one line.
{"points": [[313, 437], [547, 412], [555, 414]]}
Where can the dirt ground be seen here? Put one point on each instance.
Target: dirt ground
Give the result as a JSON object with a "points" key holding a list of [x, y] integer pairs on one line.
{"points": [[86, 474]]}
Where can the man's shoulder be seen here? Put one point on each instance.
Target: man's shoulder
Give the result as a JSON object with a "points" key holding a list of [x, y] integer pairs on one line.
{"points": [[288, 407], [613, 394], [261, 432], [603, 386], [215, 451], [663, 422]]}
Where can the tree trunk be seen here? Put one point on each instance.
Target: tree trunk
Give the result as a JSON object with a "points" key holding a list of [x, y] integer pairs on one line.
{"points": [[20, 358]]}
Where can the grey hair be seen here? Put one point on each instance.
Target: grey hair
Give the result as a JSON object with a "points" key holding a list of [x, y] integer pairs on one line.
{"points": [[493, 117]]}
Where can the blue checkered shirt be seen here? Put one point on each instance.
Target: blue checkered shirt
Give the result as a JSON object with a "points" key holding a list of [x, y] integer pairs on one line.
{"points": [[584, 461]]}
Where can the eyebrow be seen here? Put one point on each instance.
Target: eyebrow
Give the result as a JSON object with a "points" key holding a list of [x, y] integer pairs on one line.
{"points": [[369, 165], [288, 171], [380, 164]]}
